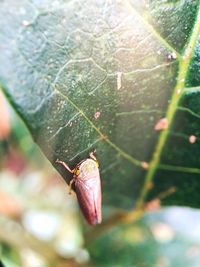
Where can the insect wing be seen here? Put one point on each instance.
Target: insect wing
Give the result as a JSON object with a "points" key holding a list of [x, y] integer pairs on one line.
{"points": [[88, 192]]}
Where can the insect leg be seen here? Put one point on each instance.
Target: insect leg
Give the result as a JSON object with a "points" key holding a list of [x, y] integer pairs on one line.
{"points": [[65, 165], [92, 156], [70, 185]]}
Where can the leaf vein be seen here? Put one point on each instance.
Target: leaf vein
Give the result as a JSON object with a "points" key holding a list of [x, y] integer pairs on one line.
{"points": [[102, 135], [179, 90]]}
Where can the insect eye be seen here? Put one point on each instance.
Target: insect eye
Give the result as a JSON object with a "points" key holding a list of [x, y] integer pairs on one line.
{"points": [[77, 171], [97, 163]]}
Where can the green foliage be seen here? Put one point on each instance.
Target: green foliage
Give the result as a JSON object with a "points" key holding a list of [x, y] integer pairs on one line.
{"points": [[88, 75]]}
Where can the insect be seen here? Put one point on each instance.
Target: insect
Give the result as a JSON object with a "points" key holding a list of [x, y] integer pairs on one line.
{"points": [[86, 179]]}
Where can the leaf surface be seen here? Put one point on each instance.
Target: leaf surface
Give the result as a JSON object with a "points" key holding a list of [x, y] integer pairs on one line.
{"points": [[88, 75]]}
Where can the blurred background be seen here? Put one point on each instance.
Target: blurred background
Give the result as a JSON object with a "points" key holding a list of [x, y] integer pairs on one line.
{"points": [[39, 220], [41, 226]]}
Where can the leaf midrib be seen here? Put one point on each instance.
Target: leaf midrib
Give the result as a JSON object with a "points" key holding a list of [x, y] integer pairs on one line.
{"points": [[179, 91], [154, 163], [184, 62]]}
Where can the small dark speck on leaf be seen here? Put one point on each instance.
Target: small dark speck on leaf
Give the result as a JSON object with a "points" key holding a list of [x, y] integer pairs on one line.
{"points": [[171, 56]]}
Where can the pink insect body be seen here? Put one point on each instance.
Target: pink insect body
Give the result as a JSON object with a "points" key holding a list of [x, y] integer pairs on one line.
{"points": [[88, 191], [86, 179]]}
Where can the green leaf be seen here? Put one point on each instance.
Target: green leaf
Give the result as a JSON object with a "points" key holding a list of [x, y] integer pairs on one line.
{"points": [[88, 75]]}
